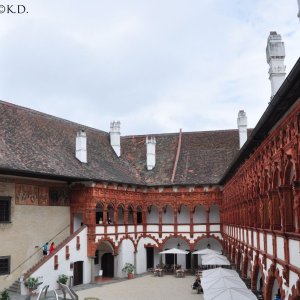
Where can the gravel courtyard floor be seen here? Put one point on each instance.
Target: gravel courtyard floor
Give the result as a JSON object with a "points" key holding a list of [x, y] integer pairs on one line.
{"points": [[145, 288]]}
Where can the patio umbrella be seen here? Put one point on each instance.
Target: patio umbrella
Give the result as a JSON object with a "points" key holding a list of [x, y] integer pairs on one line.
{"points": [[222, 283], [208, 256], [229, 294], [219, 272], [174, 251], [215, 261], [206, 251]]}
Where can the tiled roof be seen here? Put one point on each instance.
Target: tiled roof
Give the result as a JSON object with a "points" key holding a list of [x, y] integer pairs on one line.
{"points": [[41, 144], [204, 156], [35, 142]]}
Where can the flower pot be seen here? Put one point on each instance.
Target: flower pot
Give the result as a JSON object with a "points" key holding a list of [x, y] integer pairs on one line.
{"points": [[130, 275]]}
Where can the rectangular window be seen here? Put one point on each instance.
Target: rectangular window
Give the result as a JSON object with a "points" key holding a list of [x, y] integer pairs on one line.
{"points": [[4, 265], [5, 209]]}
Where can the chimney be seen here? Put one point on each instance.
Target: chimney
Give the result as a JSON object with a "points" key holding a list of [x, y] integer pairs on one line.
{"points": [[275, 58], [150, 143], [115, 137], [81, 151], [242, 126]]}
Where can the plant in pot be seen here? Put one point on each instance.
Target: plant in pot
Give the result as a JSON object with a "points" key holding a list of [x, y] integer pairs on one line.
{"points": [[32, 284], [63, 278], [4, 295], [128, 268]]}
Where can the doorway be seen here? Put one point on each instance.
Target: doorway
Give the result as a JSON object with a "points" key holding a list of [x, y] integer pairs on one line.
{"points": [[78, 273], [150, 257], [107, 264]]}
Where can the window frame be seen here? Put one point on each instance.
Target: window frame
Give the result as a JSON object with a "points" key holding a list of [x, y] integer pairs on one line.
{"points": [[8, 264], [8, 199]]}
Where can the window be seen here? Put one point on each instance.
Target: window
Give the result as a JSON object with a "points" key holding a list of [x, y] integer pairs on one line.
{"points": [[4, 209], [4, 265]]}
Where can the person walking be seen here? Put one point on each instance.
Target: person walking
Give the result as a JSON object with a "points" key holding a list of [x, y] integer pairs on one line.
{"points": [[52, 248], [45, 249]]}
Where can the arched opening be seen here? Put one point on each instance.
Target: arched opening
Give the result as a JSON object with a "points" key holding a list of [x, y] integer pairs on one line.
{"points": [[290, 216], [181, 260], [199, 215], [214, 214], [104, 260], [206, 243], [168, 215], [110, 214], [99, 213], [139, 215], [152, 215], [275, 290], [121, 214], [183, 216], [130, 215]]}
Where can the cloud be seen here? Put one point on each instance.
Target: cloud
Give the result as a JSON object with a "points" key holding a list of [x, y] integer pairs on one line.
{"points": [[157, 66]]}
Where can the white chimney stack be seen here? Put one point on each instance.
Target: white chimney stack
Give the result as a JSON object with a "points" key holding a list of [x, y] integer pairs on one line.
{"points": [[81, 151], [150, 143], [115, 136], [242, 126], [275, 57]]}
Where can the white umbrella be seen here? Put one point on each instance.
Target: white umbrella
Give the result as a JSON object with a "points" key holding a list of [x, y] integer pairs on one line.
{"points": [[215, 261], [229, 294], [219, 272], [174, 251], [222, 282], [209, 256], [206, 251]]}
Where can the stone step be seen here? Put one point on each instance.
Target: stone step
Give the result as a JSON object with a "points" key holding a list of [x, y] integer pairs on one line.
{"points": [[15, 287]]}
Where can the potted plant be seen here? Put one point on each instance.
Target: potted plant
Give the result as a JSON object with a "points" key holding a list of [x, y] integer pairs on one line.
{"points": [[63, 278], [4, 295], [128, 268], [32, 284]]}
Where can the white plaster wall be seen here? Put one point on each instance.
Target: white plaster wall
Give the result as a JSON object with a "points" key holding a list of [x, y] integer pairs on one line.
{"points": [[130, 228], [78, 218], [261, 241], [153, 217], [141, 258], [199, 228], [121, 229], [214, 214], [152, 228], [202, 244], [111, 229], [168, 217], [125, 255], [249, 237], [294, 248], [255, 239], [99, 229], [172, 243], [184, 228], [214, 227], [29, 230], [199, 214], [50, 276], [167, 228], [280, 247], [184, 216], [269, 244]]}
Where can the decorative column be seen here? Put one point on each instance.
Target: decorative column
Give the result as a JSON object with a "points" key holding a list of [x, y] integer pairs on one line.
{"points": [[135, 222], [207, 209], [160, 222], [116, 221], [144, 220], [126, 219], [105, 219], [296, 193], [191, 223], [175, 221], [286, 208]]}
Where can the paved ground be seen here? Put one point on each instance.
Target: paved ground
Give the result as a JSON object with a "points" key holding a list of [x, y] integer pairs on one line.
{"points": [[145, 288]]}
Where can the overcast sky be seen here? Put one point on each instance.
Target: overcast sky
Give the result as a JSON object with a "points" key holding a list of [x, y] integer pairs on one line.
{"points": [[157, 66]]}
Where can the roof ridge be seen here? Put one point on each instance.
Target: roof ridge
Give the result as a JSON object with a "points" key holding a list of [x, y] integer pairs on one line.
{"points": [[36, 112]]}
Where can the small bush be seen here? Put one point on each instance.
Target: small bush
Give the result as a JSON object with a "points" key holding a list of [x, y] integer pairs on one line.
{"points": [[128, 268], [32, 283], [63, 278], [4, 295]]}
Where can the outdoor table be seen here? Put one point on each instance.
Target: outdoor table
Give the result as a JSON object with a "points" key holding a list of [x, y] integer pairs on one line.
{"points": [[159, 272], [179, 273]]}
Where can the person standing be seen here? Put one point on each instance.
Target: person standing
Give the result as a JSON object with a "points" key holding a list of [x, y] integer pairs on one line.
{"points": [[52, 248], [45, 249]]}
